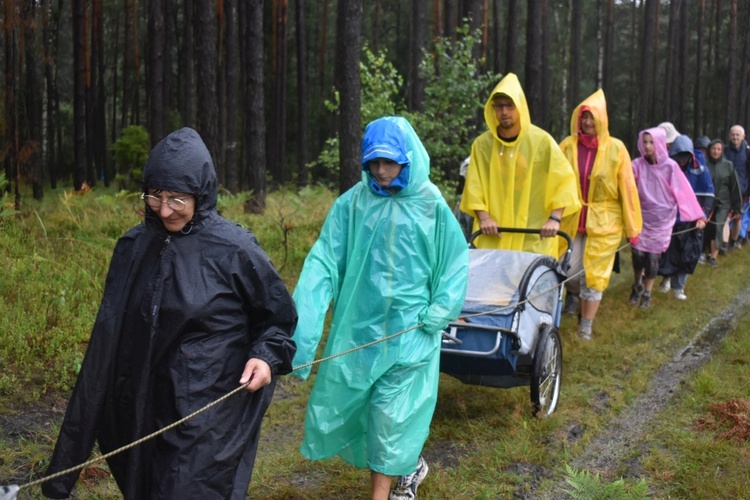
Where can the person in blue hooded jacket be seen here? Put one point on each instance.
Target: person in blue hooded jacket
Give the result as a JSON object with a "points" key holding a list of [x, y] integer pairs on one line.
{"points": [[391, 256], [685, 247]]}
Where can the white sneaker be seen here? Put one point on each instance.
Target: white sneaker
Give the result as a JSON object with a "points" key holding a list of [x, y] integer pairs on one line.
{"points": [[666, 284], [406, 489], [679, 294]]}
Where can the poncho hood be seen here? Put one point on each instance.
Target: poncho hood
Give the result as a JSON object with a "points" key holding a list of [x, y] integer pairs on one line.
{"points": [[660, 144], [597, 104], [394, 138], [181, 162], [696, 172], [682, 144], [511, 87]]}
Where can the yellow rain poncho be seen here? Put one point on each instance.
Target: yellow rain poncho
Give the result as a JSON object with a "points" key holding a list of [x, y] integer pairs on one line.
{"points": [[388, 262], [613, 206], [519, 183]]}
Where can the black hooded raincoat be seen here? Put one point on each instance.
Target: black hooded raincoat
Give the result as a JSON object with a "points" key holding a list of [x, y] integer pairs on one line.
{"points": [[181, 315]]}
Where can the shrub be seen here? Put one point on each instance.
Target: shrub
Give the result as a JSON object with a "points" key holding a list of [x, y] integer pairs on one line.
{"points": [[131, 151]]}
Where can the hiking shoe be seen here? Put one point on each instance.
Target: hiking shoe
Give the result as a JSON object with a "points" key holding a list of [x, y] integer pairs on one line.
{"points": [[736, 245], [702, 259], [679, 294], [635, 295], [712, 262], [406, 489], [666, 285], [723, 250], [645, 300], [571, 305], [584, 334]]}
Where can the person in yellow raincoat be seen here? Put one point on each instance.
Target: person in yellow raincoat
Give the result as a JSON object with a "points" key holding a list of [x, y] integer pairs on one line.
{"points": [[611, 206], [517, 177]]}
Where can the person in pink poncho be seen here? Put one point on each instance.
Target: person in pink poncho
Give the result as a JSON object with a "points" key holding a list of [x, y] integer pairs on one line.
{"points": [[663, 190]]}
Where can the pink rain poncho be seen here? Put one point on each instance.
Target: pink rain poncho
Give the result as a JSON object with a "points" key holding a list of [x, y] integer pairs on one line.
{"points": [[662, 189]]}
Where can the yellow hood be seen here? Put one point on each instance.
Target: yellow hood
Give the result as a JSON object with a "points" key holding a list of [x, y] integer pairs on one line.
{"points": [[597, 104], [511, 87]]}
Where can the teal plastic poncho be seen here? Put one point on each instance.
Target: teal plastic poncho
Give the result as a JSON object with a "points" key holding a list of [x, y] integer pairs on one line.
{"points": [[388, 262]]}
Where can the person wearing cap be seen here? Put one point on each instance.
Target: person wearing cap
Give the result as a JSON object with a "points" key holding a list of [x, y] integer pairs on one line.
{"points": [[611, 206], [663, 190], [681, 258], [738, 152], [392, 258], [700, 149], [727, 198], [518, 177], [671, 131]]}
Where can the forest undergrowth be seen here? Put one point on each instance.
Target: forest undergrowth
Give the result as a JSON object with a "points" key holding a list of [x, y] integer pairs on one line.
{"points": [[484, 442]]}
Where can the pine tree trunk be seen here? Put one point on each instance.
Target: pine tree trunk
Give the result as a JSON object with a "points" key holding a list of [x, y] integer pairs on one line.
{"points": [[575, 51], [127, 65], [156, 71], [533, 84], [231, 144], [730, 116], [100, 119], [609, 37], [33, 140], [204, 27], [418, 42], [511, 41], [302, 104], [698, 125], [349, 86], [90, 70], [187, 67], [50, 29], [451, 19], [277, 133], [255, 130], [79, 96]]}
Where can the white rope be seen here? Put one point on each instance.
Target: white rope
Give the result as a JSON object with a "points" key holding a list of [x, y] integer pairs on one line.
{"points": [[11, 492]]}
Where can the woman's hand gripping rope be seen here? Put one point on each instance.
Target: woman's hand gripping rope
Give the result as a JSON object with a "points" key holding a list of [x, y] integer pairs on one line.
{"points": [[257, 374]]}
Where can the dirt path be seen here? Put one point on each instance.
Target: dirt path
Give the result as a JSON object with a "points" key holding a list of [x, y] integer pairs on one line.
{"points": [[617, 452]]}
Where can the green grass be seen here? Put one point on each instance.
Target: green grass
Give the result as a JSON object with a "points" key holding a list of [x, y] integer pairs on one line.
{"points": [[687, 461], [484, 443]]}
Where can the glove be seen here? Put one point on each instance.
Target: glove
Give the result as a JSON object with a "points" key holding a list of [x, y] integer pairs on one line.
{"points": [[633, 241]]}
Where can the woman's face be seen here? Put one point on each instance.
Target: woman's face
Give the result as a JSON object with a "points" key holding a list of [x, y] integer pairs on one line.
{"points": [[715, 150], [648, 145], [173, 208], [588, 124]]}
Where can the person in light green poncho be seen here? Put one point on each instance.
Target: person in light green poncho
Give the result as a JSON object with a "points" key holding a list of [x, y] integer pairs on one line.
{"points": [[390, 256]]}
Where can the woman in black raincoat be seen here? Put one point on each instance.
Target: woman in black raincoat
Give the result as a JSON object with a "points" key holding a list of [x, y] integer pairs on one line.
{"points": [[192, 307]]}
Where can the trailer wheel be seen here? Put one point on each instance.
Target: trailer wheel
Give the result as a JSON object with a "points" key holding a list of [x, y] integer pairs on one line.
{"points": [[546, 374]]}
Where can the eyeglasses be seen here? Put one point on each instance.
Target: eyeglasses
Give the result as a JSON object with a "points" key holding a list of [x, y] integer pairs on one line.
{"points": [[500, 106], [176, 204]]}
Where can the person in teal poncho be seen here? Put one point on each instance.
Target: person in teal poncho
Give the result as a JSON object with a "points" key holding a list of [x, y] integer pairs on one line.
{"points": [[390, 256]]}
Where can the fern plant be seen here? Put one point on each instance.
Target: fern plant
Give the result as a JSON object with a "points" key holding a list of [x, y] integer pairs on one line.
{"points": [[591, 487]]}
